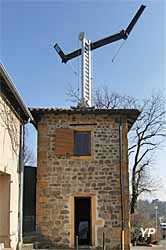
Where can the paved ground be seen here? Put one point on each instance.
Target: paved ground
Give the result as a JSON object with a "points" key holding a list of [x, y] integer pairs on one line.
{"points": [[161, 246]]}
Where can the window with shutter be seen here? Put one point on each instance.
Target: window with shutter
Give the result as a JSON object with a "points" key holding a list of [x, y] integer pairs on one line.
{"points": [[73, 142], [64, 141]]}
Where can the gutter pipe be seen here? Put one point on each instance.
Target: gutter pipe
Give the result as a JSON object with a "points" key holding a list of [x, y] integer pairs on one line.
{"points": [[121, 182], [21, 179]]}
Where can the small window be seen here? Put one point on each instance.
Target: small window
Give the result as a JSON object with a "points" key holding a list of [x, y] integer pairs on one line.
{"points": [[82, 143], [70, 142]]}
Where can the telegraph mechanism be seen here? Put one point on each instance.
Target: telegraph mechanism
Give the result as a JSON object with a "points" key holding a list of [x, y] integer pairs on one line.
{"points": [[85, 52]]}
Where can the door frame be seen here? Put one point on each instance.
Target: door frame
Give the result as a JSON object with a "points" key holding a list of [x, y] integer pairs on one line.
{"points": [[92, 197], [89, 215]]}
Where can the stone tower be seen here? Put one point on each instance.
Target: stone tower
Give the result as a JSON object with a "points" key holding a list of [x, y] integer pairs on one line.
{"points": [[82, 177]]}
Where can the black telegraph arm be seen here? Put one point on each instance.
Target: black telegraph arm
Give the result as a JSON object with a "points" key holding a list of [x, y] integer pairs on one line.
{"points": [[107, 40]]}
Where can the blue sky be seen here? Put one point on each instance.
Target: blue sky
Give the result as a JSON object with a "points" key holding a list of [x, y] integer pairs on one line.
{"points": [[29, 29]]}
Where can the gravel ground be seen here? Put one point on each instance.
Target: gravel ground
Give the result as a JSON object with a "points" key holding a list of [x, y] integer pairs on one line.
{"points": [[161, 246]]}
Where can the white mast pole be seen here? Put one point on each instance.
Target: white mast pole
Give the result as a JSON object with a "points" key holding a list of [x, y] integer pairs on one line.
{"points": [[86, 98]]}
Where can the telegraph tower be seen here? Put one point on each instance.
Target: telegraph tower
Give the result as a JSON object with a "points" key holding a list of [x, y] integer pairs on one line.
{"points": [[85, 52]]}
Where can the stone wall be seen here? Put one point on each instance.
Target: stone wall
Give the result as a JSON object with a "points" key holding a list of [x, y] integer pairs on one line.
{"points": [[60, 178]]}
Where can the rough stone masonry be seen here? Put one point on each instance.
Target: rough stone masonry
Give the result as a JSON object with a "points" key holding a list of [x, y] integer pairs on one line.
{"points": [[66, 180]]}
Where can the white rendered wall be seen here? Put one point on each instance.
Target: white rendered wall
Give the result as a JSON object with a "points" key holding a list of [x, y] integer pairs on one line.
{"points": [[9, 161]]}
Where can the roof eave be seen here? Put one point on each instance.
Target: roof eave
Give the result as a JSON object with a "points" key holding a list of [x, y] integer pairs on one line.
{"points": [[131, 114], [15, 93]]}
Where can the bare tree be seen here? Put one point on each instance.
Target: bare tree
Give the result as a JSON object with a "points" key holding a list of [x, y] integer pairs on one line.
{"points": [[72, 94], [29, 157], [103, 98], [10, 124], [145, 138]]}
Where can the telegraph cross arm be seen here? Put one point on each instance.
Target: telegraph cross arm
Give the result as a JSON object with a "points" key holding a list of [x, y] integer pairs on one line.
{"points": [[60, 52], [85, 52], [107, 40]]}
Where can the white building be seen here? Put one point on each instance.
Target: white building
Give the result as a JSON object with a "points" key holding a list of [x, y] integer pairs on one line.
{"points": [[13, 115]]}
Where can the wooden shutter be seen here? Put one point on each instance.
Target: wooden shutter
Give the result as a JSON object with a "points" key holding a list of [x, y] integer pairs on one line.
{"points": [[64, 141]]}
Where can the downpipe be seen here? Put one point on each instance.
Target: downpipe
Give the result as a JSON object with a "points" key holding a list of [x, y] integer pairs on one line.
{"points": [[21, 180], [121, 183]]}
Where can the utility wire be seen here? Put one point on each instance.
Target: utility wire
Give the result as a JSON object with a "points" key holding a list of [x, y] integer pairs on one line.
{"points": [[73, 69], [117, 52], [76, 71]]}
